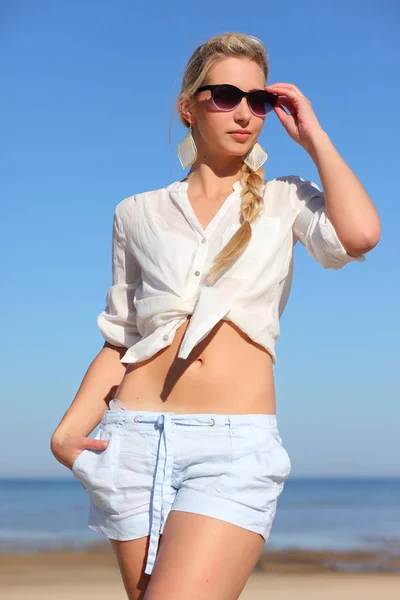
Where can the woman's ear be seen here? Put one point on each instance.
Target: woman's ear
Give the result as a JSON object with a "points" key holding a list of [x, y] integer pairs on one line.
{"points": [[187, 110]]}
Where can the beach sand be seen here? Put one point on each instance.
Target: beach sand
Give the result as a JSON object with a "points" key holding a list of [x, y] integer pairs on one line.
{"points": [[94, 574]]}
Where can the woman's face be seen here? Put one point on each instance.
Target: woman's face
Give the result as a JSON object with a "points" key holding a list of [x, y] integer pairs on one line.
{"points": [[211, 126]]}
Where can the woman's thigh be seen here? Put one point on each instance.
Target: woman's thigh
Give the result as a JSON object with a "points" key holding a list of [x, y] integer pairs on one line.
{"points": [[131, 556], [201, 558]]}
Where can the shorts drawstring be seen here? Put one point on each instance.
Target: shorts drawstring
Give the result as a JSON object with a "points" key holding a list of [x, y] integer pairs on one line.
{"points": [[163, 472]]}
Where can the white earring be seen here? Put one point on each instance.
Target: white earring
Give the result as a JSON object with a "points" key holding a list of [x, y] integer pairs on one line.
{"points": [[187, 153], [256, 157], [187, 150]]}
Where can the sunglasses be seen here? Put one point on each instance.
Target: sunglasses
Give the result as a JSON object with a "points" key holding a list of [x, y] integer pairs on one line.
{"points": [[228, 97]]}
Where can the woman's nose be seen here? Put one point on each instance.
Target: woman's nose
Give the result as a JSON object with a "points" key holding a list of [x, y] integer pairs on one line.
{"points": [[243, 109]]}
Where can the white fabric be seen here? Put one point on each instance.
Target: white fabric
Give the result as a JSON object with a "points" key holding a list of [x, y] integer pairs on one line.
{"points": [[161, 256], [117, 404]]}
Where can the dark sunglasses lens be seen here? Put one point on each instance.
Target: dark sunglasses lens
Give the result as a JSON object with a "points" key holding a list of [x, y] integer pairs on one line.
{"points": [[226, 97], [261, 103]]}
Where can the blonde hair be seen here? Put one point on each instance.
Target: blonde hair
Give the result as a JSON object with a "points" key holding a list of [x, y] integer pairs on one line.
{"points": [[218, 47]]}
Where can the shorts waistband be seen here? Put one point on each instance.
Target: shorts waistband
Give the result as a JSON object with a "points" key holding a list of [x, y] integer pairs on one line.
{"points": [[218, 420]]}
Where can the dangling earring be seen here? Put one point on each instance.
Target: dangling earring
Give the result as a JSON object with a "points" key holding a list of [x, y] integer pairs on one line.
{"points": [[256, 157], [187, 151]]}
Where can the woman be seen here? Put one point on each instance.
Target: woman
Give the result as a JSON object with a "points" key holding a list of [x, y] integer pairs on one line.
{"points": [[188, 462]]}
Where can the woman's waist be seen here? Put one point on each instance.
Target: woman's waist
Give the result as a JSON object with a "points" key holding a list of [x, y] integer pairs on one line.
{"points": [[189, 399], [224, 353], [225, 369]]}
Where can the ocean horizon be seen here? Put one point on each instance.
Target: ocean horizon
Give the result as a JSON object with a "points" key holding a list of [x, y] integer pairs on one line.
{"points": [[314, 513]]}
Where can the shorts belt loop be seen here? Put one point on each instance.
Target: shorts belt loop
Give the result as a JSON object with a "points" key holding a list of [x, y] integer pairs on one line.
{"points": [[158, 507]]}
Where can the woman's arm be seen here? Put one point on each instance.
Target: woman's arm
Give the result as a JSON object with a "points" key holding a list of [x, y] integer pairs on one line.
{"points": [[117, 323], [98, 386], [348, 205]]}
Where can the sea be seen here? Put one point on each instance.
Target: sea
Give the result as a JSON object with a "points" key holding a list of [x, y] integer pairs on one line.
{"points": [[313, 514]]}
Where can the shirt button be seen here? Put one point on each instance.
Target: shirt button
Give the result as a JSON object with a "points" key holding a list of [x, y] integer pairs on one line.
{"points": [[197, 273], [203, 240], [165, 337]]}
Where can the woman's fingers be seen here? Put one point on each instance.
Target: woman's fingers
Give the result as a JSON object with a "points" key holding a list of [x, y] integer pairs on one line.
{"points": [[96, 444], [286, 103], [82, 442], [71, 446], [289, 87]]}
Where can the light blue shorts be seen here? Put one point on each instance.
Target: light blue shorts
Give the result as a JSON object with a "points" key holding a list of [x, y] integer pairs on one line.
{"points": [[231, 467]]}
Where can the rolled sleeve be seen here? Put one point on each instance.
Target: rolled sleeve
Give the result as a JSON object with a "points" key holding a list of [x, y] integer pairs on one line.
{"points": [[313, 228], [117, 322]]}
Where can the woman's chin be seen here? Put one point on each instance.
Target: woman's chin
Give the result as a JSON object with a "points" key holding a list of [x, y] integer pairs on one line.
{"points": [[238, 149]]}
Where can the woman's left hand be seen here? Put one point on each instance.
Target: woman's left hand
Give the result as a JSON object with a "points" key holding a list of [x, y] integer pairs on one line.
{"points": [[301, 124]]}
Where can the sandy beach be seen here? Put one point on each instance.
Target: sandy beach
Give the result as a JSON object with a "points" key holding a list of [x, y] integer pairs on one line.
{"points": [[94, 574]]}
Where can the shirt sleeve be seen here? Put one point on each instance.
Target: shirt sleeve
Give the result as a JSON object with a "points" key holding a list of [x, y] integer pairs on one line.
{"points": [[313, 228], [117, 322]]}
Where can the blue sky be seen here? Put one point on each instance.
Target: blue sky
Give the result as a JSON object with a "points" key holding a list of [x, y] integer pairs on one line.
{"points": [[87, 91]]}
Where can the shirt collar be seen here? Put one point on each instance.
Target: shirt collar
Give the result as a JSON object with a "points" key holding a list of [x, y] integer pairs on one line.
{"points": [[178, 194], [182, 186]]}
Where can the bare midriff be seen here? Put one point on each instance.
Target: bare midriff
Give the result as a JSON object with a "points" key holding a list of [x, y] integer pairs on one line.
{"points": [[226, 373]]}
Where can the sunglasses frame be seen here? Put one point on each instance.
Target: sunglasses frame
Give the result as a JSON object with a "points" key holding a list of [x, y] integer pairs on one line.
{"points": [[272, 98]]}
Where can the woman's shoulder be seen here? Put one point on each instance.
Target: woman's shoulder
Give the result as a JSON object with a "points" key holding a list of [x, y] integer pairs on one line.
{"points": [[125, 206], [293, 180], [294, 187], [284, 180], [279, 186], [289, 190], [140, 203]]}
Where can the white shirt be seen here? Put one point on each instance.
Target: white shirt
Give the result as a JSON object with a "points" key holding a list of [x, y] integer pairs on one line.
{"points": [[161, 256]]}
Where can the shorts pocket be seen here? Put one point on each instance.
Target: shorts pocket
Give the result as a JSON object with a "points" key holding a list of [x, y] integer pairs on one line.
{"points": [[260, 466], [135, 475], [97, 469], [285, 462], [78, 459]]}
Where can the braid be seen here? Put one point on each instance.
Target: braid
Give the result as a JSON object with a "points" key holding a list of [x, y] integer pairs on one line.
{"points": [[252, 205]]}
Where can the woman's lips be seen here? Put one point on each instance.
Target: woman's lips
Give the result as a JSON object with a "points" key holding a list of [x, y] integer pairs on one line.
{"points": [[240, 137]]}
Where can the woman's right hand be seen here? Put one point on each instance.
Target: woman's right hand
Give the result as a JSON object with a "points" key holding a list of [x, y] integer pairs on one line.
{"points": [[66, 448]]}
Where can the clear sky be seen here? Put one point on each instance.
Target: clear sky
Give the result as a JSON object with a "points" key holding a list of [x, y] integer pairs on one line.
{"points": [[87, 92]]}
